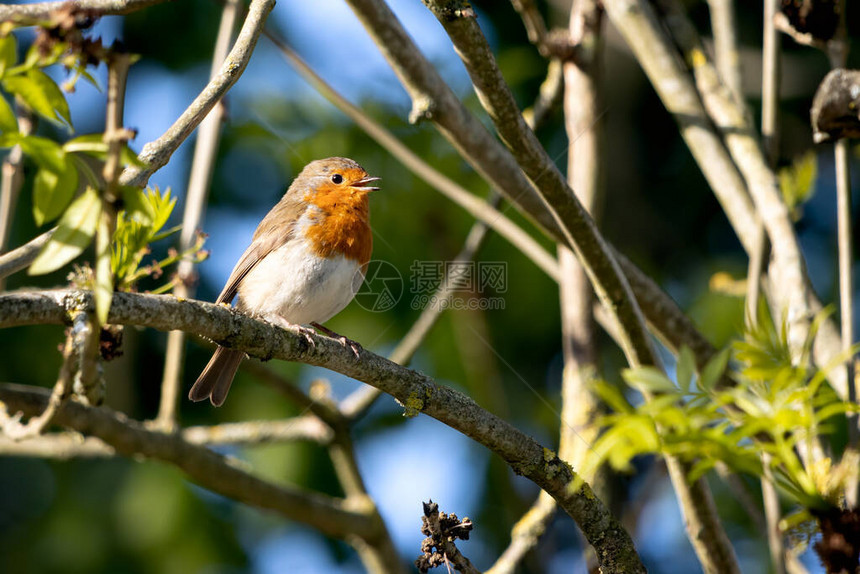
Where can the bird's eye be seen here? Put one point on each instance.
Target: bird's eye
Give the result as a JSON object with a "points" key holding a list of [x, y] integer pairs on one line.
{"points": [[337, 178]]}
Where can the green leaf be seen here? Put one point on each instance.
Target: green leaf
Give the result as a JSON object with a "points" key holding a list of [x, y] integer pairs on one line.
{"points": [[685, 368], [91, 144], [52, 192], [48, 154], [714, 370], [612, 396], [8, 121], [41, 94], [649, 379], [74, 233], [166, 233], [55, 96], [797, 181], [8, 53], [162, 205]]}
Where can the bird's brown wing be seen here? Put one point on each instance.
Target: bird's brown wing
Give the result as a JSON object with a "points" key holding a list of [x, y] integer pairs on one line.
{"points": [[274, 231]]}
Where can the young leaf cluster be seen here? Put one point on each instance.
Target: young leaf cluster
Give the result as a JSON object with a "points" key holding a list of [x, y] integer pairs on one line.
{"points": [[765, 404], [141, 223]]}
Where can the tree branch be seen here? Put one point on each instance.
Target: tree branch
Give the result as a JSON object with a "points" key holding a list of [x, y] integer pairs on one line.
{"points": [[208, 469], [12, 174], [417, 392], [42, 10]]}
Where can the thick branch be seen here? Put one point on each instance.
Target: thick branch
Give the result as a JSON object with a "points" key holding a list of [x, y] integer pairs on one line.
{"points": [[42, 10], [208, 469], [417, 392]]}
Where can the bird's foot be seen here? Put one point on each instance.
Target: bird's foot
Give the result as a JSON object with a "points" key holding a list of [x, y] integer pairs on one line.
{"points": [[354, 346]]}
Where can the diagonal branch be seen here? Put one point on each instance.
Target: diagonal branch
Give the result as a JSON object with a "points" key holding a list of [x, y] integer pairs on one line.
{"points": [[157, 153], [419, 394], [577, 227]]}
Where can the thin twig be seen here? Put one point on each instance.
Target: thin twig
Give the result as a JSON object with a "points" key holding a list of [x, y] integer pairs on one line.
{"points": [[770, 140], [549, 95], [21, 257], [12, 180], [58, 446], [838, 55], [533, 21], [846, 289], [66, 445], [304, 428], [419, 394], [202, 167], [772, 516], [583, 106], [724, 27], [583, 110]]}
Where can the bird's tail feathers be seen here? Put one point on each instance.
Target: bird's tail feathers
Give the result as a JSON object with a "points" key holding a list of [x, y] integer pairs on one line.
{"points": [[215, 380]]}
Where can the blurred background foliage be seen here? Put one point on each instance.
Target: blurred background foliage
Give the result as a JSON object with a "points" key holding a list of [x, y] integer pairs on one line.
{"points": [[135, 516]]}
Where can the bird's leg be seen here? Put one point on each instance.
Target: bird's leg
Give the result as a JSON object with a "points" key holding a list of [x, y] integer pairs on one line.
{"points": [[306, 332], [353, 345]]}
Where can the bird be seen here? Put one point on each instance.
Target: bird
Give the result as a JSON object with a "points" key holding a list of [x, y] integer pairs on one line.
{"points": [[306, 261]]}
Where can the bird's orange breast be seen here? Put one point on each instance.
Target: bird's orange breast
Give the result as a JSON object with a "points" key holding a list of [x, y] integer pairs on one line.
{"points": [[342, 226]]}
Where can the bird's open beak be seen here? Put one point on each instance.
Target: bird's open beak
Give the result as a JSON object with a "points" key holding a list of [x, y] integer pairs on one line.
{"points": [[363, 183]]}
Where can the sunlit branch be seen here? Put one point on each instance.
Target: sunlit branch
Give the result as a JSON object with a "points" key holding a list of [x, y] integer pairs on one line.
{"points": [[42, 10]]}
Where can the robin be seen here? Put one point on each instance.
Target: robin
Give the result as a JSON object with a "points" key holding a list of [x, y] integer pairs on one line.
{"points": [[305, 263]]}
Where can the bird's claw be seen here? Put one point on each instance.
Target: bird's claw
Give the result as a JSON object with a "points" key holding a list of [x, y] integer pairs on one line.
{"points": [[354, 346], [307, 334]]}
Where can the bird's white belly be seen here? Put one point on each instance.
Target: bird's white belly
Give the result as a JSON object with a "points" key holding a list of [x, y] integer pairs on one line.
{"points": [[296, 284]]}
